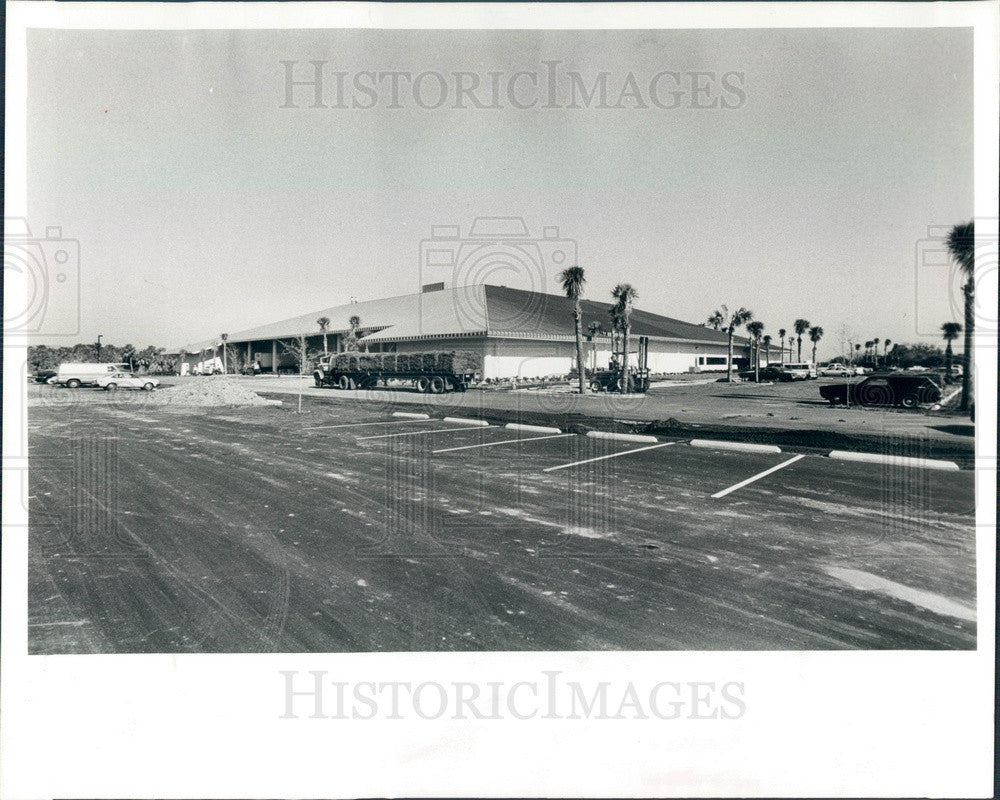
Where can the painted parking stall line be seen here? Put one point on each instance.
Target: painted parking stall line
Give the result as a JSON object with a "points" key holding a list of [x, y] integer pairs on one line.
{"points": [[757, 477], [612, 455], [465, 428], [505, 441]]}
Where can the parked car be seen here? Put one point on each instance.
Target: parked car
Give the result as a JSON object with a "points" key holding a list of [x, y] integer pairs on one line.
{"points": [[835, 370], [908, 391], [917, 368], [771, 372], [44, 376], [127, 380], [799, 370]]}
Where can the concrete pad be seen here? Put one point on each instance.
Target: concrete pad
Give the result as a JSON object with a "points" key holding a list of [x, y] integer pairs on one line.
{"points": [[622, 437], [899, 461], [742, 447], [482, 423], [410, 415], [517, 426]]}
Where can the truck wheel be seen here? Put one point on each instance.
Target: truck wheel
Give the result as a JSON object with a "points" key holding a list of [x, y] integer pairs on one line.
{"points": [[423, 384], [595, 386], [72, 383], [909, 401], [344, 383], [318, 377], [437, 385]]}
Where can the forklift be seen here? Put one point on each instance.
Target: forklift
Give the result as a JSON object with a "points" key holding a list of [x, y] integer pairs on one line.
{"points": [[610, 379]]}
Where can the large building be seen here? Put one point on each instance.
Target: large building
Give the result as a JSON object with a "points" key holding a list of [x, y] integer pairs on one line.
{"points": [[518, 333]]}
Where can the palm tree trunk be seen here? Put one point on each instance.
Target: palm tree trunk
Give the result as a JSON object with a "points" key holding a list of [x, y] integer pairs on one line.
{"points": [[625, 381], [756, 362], [970, 322], [948, 360], [814, 355], [782, 351], [729, 359], [799, 340], [579, 346]]}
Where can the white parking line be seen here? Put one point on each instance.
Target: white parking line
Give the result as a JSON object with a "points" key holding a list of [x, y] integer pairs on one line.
{"points": [[360, 424], [757, 477], [505, 441], [613, 455], [465, 428]]}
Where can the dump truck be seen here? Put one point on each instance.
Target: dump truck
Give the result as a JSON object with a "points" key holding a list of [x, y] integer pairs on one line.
{"points": [[432, 372]]}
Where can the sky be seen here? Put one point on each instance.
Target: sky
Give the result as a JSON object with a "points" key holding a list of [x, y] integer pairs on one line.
{"points": [[201, 205]]}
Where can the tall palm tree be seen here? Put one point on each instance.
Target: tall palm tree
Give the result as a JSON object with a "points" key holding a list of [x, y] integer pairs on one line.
{"points": [[716, 320], [756, 329], [875, 344], [594, 329], [885, 351], [868, 349], [225, 364], [354, 323], [801, 326], [815, 334], [857, 350], [324, 325], [949, 331], [573, 280], [731, 322], [767, 349], [962, 247], [624, 295], [781, 334]]}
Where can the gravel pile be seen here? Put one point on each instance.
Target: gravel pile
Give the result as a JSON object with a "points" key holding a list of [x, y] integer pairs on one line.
{"points": [[210, 392]]}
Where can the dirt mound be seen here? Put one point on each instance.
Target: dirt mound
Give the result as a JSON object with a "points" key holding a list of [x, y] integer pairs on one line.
{"points": [[210, 392]]}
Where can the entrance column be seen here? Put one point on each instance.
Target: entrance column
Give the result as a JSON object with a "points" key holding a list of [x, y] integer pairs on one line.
{"points": [[274, 356]]}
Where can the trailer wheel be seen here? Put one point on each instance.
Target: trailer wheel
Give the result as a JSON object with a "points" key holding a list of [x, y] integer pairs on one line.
{"points": [[437, 385], [423, 384], [344, 383], [368, 382], [318, 377], [460, 386]]}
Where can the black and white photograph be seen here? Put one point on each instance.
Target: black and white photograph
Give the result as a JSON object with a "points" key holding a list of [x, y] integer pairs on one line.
{"points": [[417, 339]]}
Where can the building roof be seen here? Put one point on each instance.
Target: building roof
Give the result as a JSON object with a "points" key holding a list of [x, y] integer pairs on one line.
{"points": [[480, 310]]}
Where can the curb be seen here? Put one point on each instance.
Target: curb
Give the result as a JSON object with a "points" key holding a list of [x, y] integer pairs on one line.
{"points": [[480, 423], [898, 461], [410, 415], [743, 447], [622, 437], [518, 426]]}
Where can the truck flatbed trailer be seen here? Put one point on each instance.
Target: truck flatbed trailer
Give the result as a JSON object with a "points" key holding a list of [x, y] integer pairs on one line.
{"points": [[433, 373]]}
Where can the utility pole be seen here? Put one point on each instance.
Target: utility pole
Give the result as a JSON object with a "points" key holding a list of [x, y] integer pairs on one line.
{"points": [[99, 337]]}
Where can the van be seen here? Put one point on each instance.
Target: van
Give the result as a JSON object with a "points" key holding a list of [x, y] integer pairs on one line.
{"points": [[74, 375], [800, 370]]}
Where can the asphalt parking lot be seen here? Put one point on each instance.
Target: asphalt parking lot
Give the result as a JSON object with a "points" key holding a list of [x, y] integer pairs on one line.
{"points": [[345, 528]]}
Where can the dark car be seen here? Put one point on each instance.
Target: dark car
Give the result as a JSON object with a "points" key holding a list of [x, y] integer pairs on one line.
{"points": [[44, 375], [769, 373], [908, 391]]}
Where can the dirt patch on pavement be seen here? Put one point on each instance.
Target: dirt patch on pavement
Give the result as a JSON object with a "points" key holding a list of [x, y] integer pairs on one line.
{"points": [[210, 392]]}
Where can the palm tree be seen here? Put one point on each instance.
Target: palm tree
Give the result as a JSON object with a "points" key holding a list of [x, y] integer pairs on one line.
{"points": [[801, 326], [781, 334], [815, 334], [755, 329], [868, 349], [875, 343], [949, 331], [624, 295], [716, 320], [324, 325], [573, 280], [857, 350], [354, 323], [225, 365], [731, 322], [962, 247], [767, 349], [885, 351], [594, 329]]}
